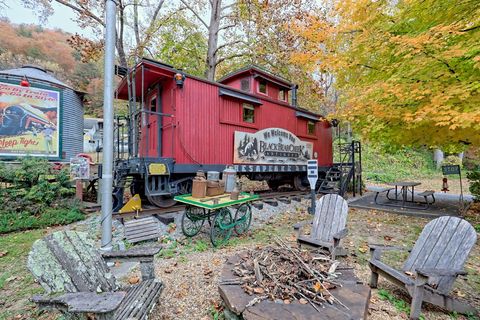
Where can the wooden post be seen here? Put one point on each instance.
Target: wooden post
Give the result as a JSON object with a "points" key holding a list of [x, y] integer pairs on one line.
{"points": [[79, 189]]}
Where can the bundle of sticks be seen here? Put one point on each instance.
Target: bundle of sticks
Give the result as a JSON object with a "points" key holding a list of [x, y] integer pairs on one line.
{"points": [[287, 274]]}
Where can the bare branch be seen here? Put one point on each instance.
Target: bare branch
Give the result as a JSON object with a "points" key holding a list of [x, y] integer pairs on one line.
{"points": [[82, 10], [226, 27], [157, 10], [227, 44], [236, 55], [227, 7], [195, 13]]}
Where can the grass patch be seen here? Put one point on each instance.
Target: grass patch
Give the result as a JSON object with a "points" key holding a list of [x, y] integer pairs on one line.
{"points": [[400, 305], [16, 282], [406, 163], [15, 221]]}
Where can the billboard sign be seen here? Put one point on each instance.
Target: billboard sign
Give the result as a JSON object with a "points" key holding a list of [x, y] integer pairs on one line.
{"points": [[29, 121], [271, 146]]}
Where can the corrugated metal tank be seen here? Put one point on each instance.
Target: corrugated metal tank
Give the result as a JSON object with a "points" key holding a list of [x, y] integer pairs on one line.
{"points": [[71, 107]]}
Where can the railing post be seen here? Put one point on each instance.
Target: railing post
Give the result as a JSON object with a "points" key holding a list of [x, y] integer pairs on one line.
{"points": [[352, 150]]}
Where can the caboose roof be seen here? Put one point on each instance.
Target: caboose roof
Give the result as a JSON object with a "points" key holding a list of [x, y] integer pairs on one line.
{"points": [[256, 71], [153, 71]]}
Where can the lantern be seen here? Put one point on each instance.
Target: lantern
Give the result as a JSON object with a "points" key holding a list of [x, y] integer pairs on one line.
{"points": [[24, 82], [179, 79], [445, 185]]}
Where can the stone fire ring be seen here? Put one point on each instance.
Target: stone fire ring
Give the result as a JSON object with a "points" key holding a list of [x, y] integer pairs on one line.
{"points": [[353, 294]]}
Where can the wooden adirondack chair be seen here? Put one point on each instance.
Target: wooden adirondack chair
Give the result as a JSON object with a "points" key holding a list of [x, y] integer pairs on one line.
{"points": [[328, 225], [78, 281], [436, 260]]}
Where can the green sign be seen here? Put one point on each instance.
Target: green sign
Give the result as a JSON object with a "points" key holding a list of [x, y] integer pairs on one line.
{"points": [[451, 169]]}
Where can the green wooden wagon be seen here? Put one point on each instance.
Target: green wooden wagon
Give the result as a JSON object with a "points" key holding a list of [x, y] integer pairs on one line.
{"points": [[222, 220]]}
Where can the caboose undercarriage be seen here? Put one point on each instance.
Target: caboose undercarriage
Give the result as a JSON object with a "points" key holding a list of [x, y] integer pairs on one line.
{"points": [[158, 180]]}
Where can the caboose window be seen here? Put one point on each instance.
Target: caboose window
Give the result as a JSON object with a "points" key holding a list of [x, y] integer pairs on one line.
{"points": [[262, 86], [153, 105], [248, 113], [311, 127], [282, 94], [245, 85]]}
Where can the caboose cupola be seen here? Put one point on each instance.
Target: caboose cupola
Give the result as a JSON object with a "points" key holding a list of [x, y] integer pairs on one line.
{"points": [[257, 81]]}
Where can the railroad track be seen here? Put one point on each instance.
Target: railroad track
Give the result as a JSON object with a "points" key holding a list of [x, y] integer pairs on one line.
{"points": [[269, 197]]}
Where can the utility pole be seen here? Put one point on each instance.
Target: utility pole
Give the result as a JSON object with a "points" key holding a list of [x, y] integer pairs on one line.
{"points": [[107, 167]]}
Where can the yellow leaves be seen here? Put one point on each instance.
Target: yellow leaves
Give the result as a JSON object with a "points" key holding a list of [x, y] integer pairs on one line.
{"points": [[317, 287]]}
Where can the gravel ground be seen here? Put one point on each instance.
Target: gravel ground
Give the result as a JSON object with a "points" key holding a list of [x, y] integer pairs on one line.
{"points": [[191, 277], [191, 269]]}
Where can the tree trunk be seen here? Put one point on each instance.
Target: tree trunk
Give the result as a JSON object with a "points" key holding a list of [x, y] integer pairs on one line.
{"points": [[438, 157], [213, 30], [120, 48]]}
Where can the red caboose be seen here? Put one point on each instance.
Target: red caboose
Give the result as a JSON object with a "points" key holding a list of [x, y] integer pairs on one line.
{"points": [[179, 124]]}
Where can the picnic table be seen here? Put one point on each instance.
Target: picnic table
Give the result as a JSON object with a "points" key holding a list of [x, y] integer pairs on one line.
{"points": [[406, 187], [216, 210]]}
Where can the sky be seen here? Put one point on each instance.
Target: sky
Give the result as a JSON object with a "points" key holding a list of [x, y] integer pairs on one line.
{"points": [[62, 17]]}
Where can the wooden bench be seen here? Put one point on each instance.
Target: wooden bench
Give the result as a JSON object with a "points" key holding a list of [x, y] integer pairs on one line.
{"points": [[426, 194], [78, 282], [328, 225], [141, 229], [435, 261]]}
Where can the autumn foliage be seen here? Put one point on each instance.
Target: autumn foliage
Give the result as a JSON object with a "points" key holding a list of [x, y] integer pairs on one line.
{"points": [[408, 71], [70, 58]]}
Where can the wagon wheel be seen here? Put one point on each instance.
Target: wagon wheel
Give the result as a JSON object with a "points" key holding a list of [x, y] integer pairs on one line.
{"points": [[221, 229], [243, 218], [192, 220]]}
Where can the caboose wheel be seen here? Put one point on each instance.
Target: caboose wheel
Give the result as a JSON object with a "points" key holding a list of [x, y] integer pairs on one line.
{"points": [[161, 201], [243, 218], [221, 229], [192, 220], [298, 183]]}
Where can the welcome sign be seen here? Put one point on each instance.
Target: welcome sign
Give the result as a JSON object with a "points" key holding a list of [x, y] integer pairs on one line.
{"points": [[271, 146]]}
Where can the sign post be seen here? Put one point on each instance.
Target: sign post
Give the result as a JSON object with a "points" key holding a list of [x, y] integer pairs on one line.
{"points": [[455, 169], [312, 175], [79, 171]]}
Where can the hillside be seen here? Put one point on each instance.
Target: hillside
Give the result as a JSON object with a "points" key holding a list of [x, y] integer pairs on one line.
{"points": [[31, 44]]}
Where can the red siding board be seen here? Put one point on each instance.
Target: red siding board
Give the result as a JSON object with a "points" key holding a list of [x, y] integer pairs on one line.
{"points": [[203, 126]]}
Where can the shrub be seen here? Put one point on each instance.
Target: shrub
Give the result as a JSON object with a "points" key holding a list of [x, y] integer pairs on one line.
{"points": [[474, 178], [35, 197], [452, 160]]}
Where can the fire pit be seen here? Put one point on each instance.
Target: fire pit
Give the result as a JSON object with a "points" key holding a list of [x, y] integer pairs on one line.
{"points": [[285, 283]]}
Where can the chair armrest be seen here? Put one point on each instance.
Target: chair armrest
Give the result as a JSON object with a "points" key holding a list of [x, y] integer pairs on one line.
{"points": [[134, 254], [376, 250], [341, 234], [82, 302], [431, 272]]}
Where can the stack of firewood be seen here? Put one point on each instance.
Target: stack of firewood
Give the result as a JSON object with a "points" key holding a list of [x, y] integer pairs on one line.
{"points": [[287, 274]]}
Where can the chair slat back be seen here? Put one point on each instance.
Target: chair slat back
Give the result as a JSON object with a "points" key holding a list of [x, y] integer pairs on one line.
{"points": [[330, 217], [66, 261], [444, 243]]}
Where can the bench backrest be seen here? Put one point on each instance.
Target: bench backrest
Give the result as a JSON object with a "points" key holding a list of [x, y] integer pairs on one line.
{"points": [[330, 217], [444, 243], [66, 261]]}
